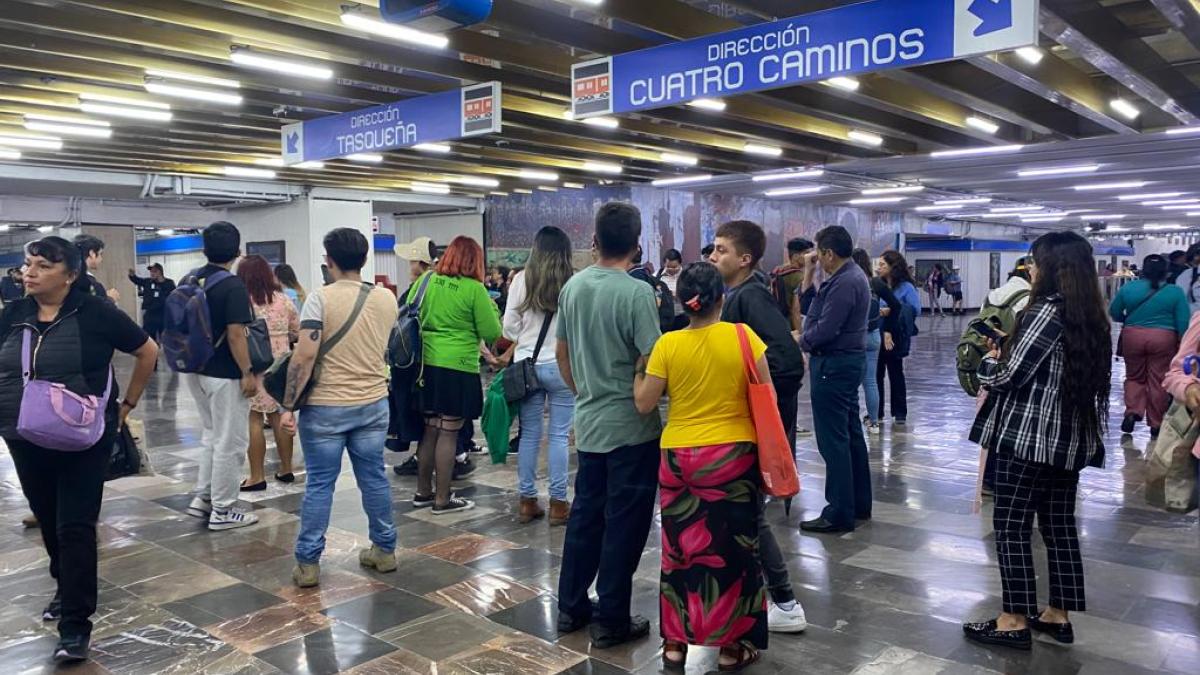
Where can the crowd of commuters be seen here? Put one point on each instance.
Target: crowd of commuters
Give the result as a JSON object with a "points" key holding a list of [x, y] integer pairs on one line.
{"points": [[602, 348]]}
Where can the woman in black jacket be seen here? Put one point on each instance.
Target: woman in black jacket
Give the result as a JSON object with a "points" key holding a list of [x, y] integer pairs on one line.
{"points": [[1044, 416], [73, 337]]}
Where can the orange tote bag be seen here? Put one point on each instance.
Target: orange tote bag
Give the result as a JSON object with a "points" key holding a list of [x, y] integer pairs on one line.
{"points": [[775, 459]]}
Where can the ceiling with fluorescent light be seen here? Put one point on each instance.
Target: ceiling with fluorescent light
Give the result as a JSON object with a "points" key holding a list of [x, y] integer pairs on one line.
{"points": [[1093, 52]]}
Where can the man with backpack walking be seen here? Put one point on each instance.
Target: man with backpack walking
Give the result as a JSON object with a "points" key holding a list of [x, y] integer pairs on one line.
{"points": [[786, 281], [217, 372]]}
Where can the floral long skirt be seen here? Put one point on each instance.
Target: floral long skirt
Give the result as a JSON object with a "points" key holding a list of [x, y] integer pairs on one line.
{"points": [[712, 590]]}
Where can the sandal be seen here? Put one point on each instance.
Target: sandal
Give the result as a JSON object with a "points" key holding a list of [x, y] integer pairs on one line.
{"points": [[673, 647], [745, 654]]}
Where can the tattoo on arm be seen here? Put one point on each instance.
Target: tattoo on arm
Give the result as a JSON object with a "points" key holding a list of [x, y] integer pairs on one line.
{"points": [[293, 387], [315, 335]]}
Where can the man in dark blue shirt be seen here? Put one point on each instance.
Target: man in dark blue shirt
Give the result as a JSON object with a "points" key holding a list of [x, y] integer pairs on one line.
{"points": [[835, 336]]}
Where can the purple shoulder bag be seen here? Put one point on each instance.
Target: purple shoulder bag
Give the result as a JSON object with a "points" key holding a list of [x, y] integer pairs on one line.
{"points": [[55, 417]]}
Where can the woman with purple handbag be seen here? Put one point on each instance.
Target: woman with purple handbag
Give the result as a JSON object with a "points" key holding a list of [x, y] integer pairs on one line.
{"points": [[59, 415]]}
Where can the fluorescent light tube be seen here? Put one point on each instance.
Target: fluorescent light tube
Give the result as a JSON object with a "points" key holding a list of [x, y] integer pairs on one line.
{"points": [[1126, 109], [984, 125], [904, 189], [45, 228], [269, 161], [121, 100], [602, 167], [1153, 202], [960, 202], [1059, 170], [1042, 219], [1149, 195], [682, 180], [129, 113], [534, 174], [547, 188], [68, 129], [679, 159], [1031, 55], [763, 150], [1111, 186], [1110, 216], [198, 79], [788, 175], [865, 137], [369, 157], [309, 165], [354, 18], [969, 152], [925, 209], [244, 57], [1017, 209], [498, 194], [436, 148], [246, 172], [602, 122], [1180, 207], [784, 192], [1163, 226], [878, 200], [36, 142], [6, 153], [1183, 130], [574, 186], [477, 181], [710, 104], [192, 93], [844, 83], [429, 188], [522, 191], [74, 121], [165, 232]]}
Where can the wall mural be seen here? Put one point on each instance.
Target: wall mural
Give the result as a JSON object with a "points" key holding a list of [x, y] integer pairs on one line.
{"points": [[678, 219]]}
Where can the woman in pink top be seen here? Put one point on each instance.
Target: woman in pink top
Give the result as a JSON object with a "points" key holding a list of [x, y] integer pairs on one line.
{"points": [[1181, 386], [283, 322]]}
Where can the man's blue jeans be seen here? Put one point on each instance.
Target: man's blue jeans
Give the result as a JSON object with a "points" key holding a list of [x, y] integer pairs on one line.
{"points": [[324, 432]]}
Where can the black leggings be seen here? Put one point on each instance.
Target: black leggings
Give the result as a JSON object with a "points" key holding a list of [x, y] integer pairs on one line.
{"points": [[893, 368]]}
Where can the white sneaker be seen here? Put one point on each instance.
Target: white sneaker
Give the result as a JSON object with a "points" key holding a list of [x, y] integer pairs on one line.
{"points": [[200, 507], [781, 621], [230, 519], [874, 428]]}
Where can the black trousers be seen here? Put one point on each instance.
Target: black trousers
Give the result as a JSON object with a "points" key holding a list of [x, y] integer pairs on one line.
{"points": [[152, 323], [892, 367], [606, 534], [839, 430], [779, 584], [64, 491], [1022, 490]]}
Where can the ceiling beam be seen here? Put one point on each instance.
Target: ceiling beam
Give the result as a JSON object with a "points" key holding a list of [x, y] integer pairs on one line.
{"points": [[1184, 16]]}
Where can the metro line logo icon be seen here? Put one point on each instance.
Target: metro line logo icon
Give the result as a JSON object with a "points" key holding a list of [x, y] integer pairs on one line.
{"points": [[591, 87], [480, 114]]}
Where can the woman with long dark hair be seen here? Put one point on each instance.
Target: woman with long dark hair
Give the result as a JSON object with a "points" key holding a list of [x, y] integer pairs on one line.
{"points": [[1155, 314], [456, 315], [1045, 417], [709, 480], [529, 321], [268, 301], [933, 286], [883, 305], [897, 335], [291, 285]]}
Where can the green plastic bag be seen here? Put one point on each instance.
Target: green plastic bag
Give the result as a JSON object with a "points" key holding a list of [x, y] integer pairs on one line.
{"points": [[498, 416]]}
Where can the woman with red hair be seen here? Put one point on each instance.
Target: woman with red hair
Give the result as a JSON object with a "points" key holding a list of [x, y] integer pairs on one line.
{"points": [[456, 314], [283, 322]]}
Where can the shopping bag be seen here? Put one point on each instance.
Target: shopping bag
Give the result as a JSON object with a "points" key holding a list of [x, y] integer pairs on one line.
{"points": [[498, 415], [125, 460], [775, 460], [1171, 468]]}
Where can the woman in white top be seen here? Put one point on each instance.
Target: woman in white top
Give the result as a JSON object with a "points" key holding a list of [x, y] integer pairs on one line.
{"points": [[532, 303]]}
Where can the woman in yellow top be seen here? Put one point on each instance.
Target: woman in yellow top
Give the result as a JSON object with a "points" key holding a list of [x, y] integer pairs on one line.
{"points": [[712, 589]]}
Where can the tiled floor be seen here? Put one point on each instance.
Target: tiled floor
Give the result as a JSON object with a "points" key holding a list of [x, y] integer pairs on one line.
{"points": [[474, 593]]}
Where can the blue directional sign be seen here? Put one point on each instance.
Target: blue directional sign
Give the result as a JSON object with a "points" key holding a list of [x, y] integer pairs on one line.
{"points": [[456, 113], [861, 38]]}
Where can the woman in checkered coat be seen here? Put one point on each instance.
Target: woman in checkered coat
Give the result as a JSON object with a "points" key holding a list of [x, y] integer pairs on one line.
{"points": [[1045, 414]]}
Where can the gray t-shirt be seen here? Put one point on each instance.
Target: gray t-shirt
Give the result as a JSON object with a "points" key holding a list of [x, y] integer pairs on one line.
{"points": [[609, 320]]}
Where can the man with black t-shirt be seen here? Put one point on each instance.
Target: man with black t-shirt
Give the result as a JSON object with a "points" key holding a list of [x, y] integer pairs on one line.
{"points": [[154, 292], [222, 390]]}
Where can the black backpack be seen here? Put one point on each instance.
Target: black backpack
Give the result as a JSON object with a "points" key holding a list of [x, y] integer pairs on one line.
{"points": [[404, 344], [779, 291]]}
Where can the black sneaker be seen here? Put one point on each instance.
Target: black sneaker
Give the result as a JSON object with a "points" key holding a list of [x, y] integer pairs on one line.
{"points": [[406, 468], [71, 650], [53, 611], [604, 637], [463, 469], [454, 505]]}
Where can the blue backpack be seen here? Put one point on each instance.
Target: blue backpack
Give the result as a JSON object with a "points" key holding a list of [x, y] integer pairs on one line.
{"points": [[187, 337], [404, 344]]}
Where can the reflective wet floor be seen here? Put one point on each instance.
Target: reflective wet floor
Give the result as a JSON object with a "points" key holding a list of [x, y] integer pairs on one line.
{"points": [[474, 592]]}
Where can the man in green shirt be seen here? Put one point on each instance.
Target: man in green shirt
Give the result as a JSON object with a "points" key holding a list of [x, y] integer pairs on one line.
{"points": [[607, 325]]}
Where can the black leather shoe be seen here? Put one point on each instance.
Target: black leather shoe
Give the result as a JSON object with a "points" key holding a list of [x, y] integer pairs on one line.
{"points": [[822, 526], [53, 611], [1062, 632], [1128, 423], [570, 624], [406, 468], [71, 650], [987, 633], [604, 637]]}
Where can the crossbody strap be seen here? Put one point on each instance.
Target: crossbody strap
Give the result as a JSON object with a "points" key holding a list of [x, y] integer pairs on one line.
{"points": [[1135, 308], [747, 355], [27, 364], [341, 332], [537, 349]]}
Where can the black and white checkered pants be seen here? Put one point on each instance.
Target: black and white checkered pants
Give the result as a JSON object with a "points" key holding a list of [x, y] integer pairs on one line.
{"points": [[1022, 490]]}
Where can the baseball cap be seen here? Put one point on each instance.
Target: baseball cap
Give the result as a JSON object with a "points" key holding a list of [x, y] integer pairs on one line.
{"points": [[418, 250], [154, 266]]}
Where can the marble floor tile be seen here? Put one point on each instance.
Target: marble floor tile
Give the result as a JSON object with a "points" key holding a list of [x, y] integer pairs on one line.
{"points": [[423, 574], [180, 583], [465, 548], [517, 564], [266, 628], [483, 594], [399, 662], [443, 634], [337, 587], [379, 611], [33, 657], [224, 603], [170, 647], [537, 617], [331, 650]]}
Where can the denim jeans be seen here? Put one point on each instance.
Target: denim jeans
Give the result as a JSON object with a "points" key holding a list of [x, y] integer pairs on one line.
{"points": [[870, 384], [562, 411], [324, 432]]}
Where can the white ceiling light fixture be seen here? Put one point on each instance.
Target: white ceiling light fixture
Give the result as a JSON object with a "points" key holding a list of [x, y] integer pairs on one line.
{"points": [[7, 153], [878, 200], [903, 189], [1017, 209], [1149, 195], [963, 202], [308, 165], [1059, 171], [498, 194], [535, 174], [269, 161], [1162, 226], [147, 114], [762, 150], [1110, 216], [682, 180], [188, 77], [365, 157], [934, 207], [788, 175], [357, 19], [602, 122], [843, 83], [122, 100], [45, 228], [250, 59], [709, 104], [477, 181], [74, 121], [1111, 186], [435, 148], [865, 137], [1031, 55], [522, 191], [985, 125], [1181, 207], [971, 152], [246, 172], [1164, 202], [179, 91], [1042, 219], [33, 142], [679, 159], [788, 192], [1124, 108], [602, 167], [165, 232], [574, 186], [1178, 131], [547, 188], [429, 188], [89, 129]]}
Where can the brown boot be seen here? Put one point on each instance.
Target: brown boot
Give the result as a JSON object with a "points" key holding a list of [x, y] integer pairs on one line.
{"points": [[530, 510], [560, 511]]}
